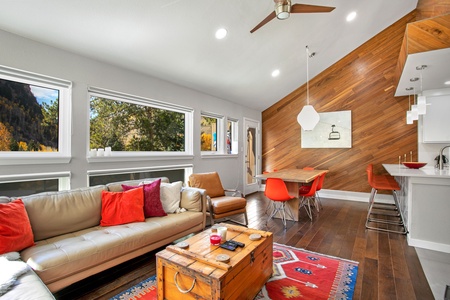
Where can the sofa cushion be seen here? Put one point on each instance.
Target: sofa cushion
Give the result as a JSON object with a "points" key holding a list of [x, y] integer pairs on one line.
{"points": [[208, 181], [117, 186], [152, 198], [59, 257], [170, 196], [122, 207], [15, 228], [55, 213]]}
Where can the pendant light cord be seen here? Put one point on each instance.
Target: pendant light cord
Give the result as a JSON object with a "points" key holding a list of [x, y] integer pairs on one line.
{"points": [[307, 75]]}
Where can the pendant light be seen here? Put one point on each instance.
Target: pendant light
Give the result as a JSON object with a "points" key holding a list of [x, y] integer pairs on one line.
{"points": [[308, 116], [414, 109], [421, 100], [409, 119]]}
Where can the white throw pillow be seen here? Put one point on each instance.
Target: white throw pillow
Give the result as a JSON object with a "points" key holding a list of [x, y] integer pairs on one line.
{"points": [[170, 196]]}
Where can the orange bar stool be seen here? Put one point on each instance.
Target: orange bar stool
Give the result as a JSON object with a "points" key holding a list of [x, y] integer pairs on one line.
{"points": [[308, 195], [277, 192], [392, 212]]}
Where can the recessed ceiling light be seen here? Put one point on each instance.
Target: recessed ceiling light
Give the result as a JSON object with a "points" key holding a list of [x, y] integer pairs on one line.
{"points": [[275, 73], [221, 33], [447, 82], [351, 16]]}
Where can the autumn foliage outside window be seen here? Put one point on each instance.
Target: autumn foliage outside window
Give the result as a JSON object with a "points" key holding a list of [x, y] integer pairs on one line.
{"points": [[126, 126]]}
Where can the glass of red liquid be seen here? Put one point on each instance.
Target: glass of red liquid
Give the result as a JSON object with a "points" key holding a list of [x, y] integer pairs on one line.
{"points": [[215, 239]]}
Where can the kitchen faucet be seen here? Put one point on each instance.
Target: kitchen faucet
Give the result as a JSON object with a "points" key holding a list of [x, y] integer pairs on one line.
{"points": [[441, 161]]}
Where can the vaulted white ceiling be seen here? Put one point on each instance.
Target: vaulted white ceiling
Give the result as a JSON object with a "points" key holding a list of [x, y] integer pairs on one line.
{"points": [[174, 39]]}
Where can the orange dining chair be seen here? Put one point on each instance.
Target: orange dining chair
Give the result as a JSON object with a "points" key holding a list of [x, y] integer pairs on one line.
{"points": [[308, 196], [305, 188], [277, 192], [392, 212]]}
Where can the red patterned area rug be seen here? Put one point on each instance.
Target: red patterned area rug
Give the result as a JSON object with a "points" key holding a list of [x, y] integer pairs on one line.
{"points": [[297, 274]]}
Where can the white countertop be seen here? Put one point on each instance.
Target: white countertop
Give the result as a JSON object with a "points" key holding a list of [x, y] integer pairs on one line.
{"points": [[427, 171]]}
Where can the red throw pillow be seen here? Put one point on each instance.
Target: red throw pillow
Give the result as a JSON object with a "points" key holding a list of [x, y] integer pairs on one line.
{"points": [[152, 198], [122, 207], [15, 228]]}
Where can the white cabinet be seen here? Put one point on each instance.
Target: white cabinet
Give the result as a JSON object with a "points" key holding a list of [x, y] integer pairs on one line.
{"points": [[436, 122]]}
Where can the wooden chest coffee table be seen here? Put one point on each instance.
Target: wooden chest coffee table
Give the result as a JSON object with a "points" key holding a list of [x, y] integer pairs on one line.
{"points": [[194, 272]]}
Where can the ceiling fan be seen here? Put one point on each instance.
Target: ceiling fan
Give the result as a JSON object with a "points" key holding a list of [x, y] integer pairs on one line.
{"points": [[283, 9]]}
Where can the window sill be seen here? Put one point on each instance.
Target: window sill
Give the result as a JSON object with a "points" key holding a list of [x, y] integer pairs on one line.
{"points": [[116, 157], [219, 155], [34, 160]]}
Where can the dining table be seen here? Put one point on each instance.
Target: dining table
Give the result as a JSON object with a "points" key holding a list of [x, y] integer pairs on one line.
{"points": [[293, 178]]}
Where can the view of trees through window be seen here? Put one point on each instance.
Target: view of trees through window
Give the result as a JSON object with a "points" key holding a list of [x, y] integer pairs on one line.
{"points": [[126, 126], [29, 117]]}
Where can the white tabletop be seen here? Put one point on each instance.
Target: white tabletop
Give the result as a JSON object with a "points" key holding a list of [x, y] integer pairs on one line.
{"points": [[427, 171]]}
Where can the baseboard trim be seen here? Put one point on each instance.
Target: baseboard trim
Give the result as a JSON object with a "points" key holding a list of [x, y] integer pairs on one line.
{"points": [[350, 196]]}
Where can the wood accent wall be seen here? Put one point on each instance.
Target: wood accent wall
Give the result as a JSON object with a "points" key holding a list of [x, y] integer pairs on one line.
{"points": [[363, 83], [422, 36], [432, 8]]}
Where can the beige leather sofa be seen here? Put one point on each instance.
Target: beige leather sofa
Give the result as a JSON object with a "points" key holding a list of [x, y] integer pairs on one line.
{"points": [[71, 245]]}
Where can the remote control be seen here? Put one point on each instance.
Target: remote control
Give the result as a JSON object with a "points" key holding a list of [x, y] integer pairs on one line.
{"points": [[238, 244], [228, 246]]}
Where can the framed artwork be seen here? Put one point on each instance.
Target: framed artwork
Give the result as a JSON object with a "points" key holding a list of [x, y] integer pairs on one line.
{"points": [[334, 130]]}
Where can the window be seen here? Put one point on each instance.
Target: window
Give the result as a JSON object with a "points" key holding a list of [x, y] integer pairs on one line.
{"points": [[209, 133], [131, 124], [232, 136], [218, 135], [174, 173], [27, 184], [34, 117]]}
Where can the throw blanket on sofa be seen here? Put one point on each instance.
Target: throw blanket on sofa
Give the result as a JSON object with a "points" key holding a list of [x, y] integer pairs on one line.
{"points": [[12, 269]]}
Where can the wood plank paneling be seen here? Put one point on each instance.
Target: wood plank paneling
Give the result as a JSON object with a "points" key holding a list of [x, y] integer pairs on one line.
{"points": [[432, 8], [363, 83]]}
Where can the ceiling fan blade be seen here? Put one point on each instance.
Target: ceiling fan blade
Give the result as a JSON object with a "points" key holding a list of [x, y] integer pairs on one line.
{"points": [[264, 22], [306, 8]]}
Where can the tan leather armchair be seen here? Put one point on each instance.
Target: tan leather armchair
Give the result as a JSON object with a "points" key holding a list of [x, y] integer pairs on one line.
{"points": [[220, 205]]}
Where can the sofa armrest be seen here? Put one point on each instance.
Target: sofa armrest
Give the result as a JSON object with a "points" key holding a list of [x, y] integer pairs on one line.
{"points": [[193, 199]]}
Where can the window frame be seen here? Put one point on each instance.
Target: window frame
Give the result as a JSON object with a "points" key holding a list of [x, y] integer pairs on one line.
{"points": [[65, 119], [63, 178], [188, 170], [222, 125], [121, 156], [235, 136]]}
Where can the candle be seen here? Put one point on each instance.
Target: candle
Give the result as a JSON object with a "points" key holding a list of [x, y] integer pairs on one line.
{"points": [[93, 152], [215, 239], [410, 154], [108, 151], [222, 231], [101, 152]]}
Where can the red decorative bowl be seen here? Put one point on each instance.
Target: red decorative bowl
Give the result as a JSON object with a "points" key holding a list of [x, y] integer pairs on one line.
{"points": [[414, 165]]}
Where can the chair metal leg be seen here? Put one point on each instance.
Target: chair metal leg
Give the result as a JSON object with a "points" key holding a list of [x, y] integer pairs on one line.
{"points": [[305, 202], [281, 208], [399, 215]]}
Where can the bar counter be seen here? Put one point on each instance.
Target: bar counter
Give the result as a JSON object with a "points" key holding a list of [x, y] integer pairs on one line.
{"points": [[425, 198]]}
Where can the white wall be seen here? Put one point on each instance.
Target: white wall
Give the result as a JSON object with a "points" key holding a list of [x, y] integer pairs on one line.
{"points": [[21, 53], [429, 151]]}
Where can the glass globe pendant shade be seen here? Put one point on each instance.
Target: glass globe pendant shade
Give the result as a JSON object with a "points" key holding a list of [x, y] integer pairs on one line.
{"points": [[421, 105], [414, 112], [308, 117], [409, 119]]}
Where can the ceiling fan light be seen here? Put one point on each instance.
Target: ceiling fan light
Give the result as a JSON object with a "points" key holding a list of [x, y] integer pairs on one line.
{"points": [[283, 10]]}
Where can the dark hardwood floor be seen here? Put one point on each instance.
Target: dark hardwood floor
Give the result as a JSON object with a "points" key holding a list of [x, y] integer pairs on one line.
{"points": [[388, 267]]}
